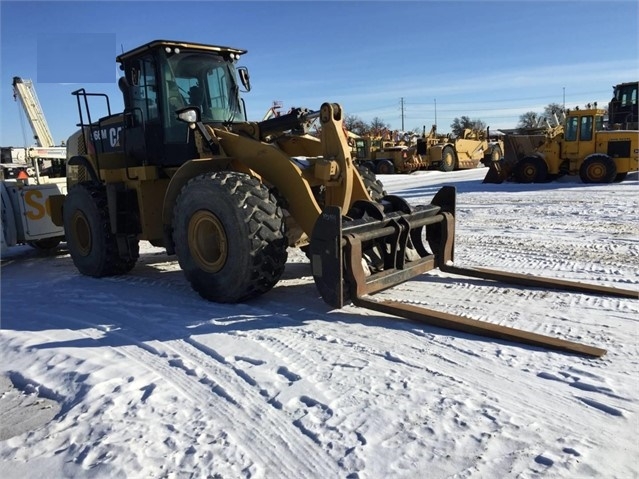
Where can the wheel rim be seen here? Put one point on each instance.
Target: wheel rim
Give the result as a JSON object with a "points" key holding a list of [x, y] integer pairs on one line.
{"points": [[529, 171], [596, 171], [448, 159], [207, 241], [82, 233]]}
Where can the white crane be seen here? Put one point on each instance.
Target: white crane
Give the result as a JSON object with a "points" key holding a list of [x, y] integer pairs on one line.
{"points": [[25, 204], [24, 91]]}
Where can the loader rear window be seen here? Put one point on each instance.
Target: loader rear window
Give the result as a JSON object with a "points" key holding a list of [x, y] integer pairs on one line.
{"points": [[627, 95]]}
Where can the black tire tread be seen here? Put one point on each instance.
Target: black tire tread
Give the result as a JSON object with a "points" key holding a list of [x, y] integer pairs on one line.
{"points": [[266, 244], [611, 169], [374, 186], [109, 263]]}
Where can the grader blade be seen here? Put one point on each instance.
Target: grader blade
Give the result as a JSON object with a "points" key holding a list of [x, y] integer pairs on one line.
{"points": [[376, 246]]}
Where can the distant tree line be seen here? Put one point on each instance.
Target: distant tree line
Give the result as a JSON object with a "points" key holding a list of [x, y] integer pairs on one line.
{"points": [[378, 127], [531, 119]]}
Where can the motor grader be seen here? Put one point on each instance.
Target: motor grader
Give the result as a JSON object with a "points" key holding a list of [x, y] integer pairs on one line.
{"points": [[579, 146], [183, 168]]}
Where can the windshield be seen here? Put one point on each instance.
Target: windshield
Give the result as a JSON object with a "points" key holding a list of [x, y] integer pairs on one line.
{"points": [[206, 81]]}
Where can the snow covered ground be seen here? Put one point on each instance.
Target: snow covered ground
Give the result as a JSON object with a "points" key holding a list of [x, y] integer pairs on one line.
{"points": [[137, 377]]}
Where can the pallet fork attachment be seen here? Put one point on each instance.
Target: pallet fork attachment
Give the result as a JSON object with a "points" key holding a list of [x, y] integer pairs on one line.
{"points": [[377, 246]]}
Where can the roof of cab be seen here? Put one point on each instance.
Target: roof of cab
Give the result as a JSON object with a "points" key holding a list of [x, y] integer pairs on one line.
{"points": [[183, 45]]}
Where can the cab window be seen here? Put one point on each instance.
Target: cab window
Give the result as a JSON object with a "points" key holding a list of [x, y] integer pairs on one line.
{"points": [[572, 124], [143, 88], [585, 129], [202, 80], [628, 95]]}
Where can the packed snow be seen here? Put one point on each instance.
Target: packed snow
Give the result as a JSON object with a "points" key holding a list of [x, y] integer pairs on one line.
{"points": [[138, 377]]}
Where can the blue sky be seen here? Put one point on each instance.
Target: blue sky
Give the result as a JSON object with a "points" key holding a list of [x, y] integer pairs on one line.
{"points": [[489, 60]]}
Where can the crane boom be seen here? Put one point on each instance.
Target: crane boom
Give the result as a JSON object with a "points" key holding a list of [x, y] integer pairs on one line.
{"points": [[25, 92]]}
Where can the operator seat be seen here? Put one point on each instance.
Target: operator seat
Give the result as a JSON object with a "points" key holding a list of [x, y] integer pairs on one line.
{"points": [[176, 100], [196, 97]]}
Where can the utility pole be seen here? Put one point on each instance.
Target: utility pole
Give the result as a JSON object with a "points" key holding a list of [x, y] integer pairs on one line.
{"points": [[435, 100], [402, 103], [564, 98]]}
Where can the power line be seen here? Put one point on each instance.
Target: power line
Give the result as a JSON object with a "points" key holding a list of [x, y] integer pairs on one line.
{"points": [[547, 97]]}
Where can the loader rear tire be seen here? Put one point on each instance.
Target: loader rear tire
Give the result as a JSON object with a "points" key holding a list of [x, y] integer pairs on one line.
{"points": [[531, 169], [598, 169], [91, 243], [449, 162], [229, 236]]}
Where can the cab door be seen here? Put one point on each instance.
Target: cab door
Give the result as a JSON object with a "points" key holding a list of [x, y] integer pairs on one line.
{"points": [[143, 131], [579, 137]]}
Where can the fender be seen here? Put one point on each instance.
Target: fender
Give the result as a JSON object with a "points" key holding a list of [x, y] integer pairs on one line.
{"points": [[84, 161]]}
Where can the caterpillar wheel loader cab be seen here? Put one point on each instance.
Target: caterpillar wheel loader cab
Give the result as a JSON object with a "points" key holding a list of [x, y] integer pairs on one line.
{"points": [[623, 110], [183, 168]]}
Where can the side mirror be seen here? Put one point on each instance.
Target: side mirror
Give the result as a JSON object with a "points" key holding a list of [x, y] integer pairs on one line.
{"points": [[244, 78], [190, 115]]}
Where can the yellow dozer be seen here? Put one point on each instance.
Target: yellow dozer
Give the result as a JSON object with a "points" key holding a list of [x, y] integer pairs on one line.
{"points": [[183, 168]]}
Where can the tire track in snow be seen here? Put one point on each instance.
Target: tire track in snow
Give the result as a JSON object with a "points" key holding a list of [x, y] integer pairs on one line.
{"points": [[209, 364], [231, 384], [271, 427], [268, 430]]}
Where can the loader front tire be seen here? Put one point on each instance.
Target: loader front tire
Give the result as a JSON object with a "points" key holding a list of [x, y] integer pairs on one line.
{"points": [[92, 245], [598, 169], [229, 236], [448, 162], [374, 187], [531, 169]]}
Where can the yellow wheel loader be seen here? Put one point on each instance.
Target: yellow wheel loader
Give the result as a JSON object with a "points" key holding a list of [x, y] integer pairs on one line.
{"points": [[183, 168], [580, 146]]}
